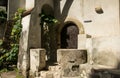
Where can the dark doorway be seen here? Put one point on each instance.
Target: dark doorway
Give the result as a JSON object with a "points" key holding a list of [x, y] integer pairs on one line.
{"points": [[69, 36]]}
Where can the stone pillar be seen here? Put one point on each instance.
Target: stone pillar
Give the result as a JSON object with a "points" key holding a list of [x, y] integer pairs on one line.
{"points": [[89, 50], [23, 56], [37, 60], [82, 41], [85, 42]]}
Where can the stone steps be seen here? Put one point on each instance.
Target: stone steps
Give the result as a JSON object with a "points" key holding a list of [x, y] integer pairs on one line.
{"points": [[55, 72], [52, 72], [54, 68]]}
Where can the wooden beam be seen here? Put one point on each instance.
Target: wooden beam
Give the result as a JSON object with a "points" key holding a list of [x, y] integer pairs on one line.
{"points": [[27, 12]]}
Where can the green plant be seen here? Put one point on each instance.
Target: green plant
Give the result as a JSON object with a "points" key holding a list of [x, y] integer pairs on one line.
{"points": [[3, 15], [15, 35], [3, 70], [17, 28], [18, 75], [9, 56], [49, 19]]}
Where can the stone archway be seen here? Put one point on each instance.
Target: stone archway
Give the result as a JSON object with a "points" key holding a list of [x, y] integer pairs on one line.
{"points": [[69, 36]]}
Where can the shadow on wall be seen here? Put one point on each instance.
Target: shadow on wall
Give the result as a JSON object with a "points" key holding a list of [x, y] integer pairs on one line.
{"points": [[106, 73], [48, 35], [65, 9]]}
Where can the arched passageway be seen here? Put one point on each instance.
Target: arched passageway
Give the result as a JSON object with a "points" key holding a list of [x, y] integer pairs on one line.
{"points": [[69, 36]]}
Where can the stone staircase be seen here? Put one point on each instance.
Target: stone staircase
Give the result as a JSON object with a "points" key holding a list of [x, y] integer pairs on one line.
{"points": [[52, 72], [86, 71], [70, 64]]}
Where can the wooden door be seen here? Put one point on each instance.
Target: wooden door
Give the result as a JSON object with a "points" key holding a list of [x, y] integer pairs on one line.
{"points": [[69, 36]]}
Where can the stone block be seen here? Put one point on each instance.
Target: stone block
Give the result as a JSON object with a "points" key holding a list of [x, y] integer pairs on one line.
{"points": [[43, 74], [37, 60], [49, 75], [70, 60], [54, 68], [89, 50], [71, 56], [72, 77], [85, 70]]}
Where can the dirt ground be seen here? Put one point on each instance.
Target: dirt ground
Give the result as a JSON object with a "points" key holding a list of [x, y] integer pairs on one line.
{"points": [[10, 74]]}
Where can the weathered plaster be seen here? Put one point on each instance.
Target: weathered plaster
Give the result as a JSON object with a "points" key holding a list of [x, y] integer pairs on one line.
{"points": [[98, 33]]}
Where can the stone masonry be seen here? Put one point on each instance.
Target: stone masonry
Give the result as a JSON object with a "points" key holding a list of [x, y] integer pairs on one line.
{"points": [[97, 54]]}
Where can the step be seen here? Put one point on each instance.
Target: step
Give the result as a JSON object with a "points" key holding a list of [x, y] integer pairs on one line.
{"points": [[97, 67], [46, 74], [49, 74], [74, 77], [54, 68]]}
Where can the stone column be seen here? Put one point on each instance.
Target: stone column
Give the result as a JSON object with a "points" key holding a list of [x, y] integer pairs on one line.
{"points": [[82, 41]]}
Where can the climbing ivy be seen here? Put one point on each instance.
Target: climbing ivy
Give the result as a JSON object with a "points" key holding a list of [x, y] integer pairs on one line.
{"points": [[9, 56], [17, 27], [49, 19]]}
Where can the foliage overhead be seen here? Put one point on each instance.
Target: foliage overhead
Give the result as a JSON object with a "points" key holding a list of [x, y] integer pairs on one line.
{"points": [[48, 18]]}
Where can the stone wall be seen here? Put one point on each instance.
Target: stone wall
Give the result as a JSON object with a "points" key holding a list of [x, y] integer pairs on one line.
{"points": [[83, 11], [105, 24], [106, 51], [101, 43]]}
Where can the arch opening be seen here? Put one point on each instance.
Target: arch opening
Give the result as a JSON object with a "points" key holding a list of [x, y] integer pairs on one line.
{"points": [[69, 36]]}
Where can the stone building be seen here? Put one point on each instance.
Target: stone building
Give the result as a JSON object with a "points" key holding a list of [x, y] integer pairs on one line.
{"points": [[84, 43]]}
